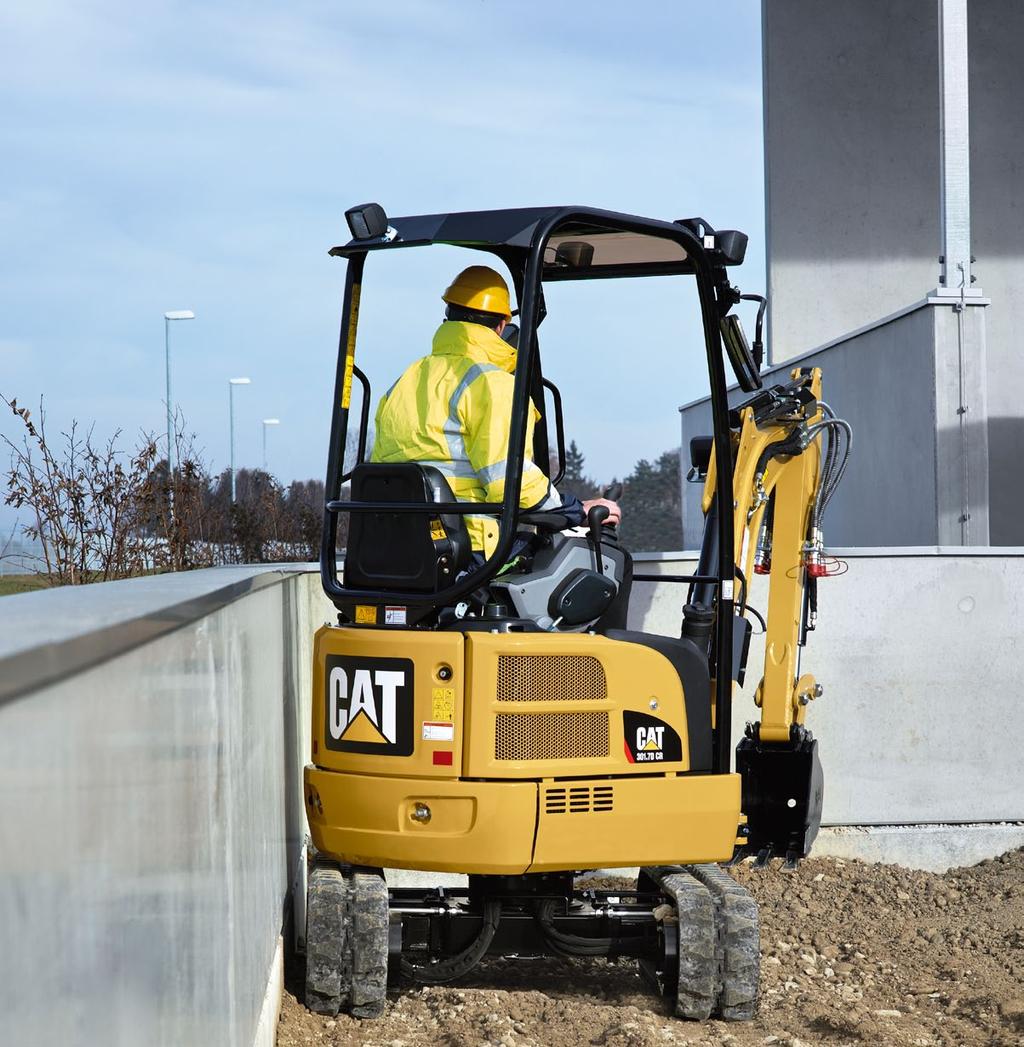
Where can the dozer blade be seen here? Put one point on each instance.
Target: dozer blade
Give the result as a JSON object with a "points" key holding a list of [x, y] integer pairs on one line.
{"points": [[782, 793]]}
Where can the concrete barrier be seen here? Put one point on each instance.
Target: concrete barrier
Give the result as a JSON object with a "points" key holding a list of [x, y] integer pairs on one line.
{"points": [[152, 736], [920, 652], [151, 816]]}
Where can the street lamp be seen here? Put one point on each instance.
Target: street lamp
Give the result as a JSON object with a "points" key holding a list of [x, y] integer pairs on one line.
{"points": [[232, 382], [266, 422], [174, 314]]}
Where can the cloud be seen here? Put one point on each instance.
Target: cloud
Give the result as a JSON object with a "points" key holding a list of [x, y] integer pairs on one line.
{"points": [[201, 155]]}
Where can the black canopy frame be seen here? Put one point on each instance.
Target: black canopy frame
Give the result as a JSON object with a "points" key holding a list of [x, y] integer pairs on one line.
{"points": [[520, 238]]}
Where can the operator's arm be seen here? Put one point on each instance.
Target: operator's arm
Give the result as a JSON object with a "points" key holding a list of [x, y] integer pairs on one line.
{"points": [[485, 410]]}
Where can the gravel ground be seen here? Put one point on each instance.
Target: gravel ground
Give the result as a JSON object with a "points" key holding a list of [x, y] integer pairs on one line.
{"points": [[851, 954]]}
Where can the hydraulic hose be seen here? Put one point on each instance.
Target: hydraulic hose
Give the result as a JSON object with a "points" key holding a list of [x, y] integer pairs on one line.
{"points": [[576, 945], [832, 472], [452, 967], [568, 944]]}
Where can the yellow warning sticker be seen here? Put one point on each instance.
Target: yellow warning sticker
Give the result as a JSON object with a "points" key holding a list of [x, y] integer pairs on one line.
{"points": [[437, 531], [366, 614], [442, 704], [350, 350]]}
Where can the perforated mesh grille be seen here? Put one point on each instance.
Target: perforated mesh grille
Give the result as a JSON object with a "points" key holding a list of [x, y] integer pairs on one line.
{"points": [[578, 799], [550, 678], [550, 736]]}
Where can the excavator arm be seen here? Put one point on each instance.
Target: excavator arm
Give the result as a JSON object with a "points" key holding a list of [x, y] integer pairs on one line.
{"points": [[789, 453]]}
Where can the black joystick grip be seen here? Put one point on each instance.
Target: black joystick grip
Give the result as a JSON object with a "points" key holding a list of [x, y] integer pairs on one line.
{"points": [[595, 517]]}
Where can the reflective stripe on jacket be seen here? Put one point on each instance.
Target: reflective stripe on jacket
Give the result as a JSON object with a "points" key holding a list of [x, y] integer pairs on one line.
{"points": [[452, 410]]}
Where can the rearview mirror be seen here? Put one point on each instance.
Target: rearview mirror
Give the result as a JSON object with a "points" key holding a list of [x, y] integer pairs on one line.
{"points": [[736, 345]]}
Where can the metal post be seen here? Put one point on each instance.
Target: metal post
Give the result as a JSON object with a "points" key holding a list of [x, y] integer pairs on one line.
{"points": [[231, 415], [266, 422], [174, 314], [232, 382], [167, 360], [954, 143]]}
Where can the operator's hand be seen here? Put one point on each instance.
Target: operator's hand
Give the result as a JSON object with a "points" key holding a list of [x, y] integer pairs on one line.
{"points": [[614, 512]]}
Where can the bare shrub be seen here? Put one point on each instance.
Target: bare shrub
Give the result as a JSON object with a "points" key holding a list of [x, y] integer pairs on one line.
{"points": [[84, 500]]}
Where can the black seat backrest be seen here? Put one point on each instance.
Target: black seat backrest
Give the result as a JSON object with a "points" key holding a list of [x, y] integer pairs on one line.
{"points": [[404, 551]]}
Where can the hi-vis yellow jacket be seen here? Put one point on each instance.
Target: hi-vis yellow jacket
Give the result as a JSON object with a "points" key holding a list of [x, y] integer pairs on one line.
{"points": [[452, 410]]}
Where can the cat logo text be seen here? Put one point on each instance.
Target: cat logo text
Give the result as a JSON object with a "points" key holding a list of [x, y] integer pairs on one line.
{"points": [[368, 705], [649, 744], [646, 739]]}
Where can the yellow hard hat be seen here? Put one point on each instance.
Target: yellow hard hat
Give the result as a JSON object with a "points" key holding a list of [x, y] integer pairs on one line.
{"points": [[480, 288]]}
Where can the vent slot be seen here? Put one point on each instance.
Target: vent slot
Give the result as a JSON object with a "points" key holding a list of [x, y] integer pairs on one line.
{"points": [[579, 799], [551, 678], [550, 736]]}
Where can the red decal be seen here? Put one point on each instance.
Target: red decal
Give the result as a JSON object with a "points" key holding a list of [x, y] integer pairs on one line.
{"points": [[442, 758], [629, 755]]}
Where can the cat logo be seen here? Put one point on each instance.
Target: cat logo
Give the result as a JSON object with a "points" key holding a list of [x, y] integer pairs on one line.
{"points": [[646, 739], [369, 705]]}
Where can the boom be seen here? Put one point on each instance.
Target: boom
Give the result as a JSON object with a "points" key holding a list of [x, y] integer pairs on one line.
{"points": [[789, 453]]}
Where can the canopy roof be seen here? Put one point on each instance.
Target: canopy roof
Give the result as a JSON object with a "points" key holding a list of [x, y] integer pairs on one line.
{"points": [[583, 242]]}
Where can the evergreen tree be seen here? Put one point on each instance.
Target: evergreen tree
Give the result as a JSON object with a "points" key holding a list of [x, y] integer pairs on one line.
{"points": [[576, 480], [652, 505]]}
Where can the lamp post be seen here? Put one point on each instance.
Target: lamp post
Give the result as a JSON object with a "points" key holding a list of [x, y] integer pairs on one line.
{"points": [[266, 422], [174, 314], [232, 382]]}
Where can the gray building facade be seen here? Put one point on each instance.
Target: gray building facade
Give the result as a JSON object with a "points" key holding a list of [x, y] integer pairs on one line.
{"points": [[894, 175]]}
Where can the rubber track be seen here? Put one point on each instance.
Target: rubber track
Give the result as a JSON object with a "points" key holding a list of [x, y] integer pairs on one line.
{"points": [[328, 971], [368, 942], [739, 943], [697, 989]]}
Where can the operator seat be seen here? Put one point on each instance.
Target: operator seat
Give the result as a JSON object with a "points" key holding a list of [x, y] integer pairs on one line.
{"points": [[404, 552]]}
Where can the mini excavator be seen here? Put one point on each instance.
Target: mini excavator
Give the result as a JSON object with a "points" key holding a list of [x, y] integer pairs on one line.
{"points": [[501, 723]]}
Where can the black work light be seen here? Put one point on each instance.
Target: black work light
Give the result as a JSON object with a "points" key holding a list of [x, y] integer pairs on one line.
{"points": [[367, 221]]}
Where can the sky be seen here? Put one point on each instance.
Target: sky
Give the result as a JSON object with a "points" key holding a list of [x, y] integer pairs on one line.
{"points": [[174, 155]]}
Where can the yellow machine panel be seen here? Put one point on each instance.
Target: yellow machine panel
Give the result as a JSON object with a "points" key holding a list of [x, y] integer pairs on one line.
{"points": [[543, 704], [387, 702], [407, 823], [664, 821], [416, 736], [501, 828]]}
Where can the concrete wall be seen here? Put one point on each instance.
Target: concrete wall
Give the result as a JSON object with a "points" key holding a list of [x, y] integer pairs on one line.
{"points": [[152, 735], [151, 811], [898, 385], [995, 34], [920, 654], [852, 160], [851, 164]]}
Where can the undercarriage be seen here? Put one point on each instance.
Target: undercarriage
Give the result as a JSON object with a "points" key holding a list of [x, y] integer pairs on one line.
{"points": [[692, 929]]}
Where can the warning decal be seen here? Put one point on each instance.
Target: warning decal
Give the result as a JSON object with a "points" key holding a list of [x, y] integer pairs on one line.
{"points": [[442, 704], [438, 732]]}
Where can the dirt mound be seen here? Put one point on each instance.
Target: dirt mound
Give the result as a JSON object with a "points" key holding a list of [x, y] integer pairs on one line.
{"points": [[851, 954]]}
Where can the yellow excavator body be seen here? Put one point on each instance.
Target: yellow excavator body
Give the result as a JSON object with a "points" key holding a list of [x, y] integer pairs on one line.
{"points": [[508, 753]]}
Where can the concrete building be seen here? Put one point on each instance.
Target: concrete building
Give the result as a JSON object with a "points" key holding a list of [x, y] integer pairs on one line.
{"points": [[894, 156]]}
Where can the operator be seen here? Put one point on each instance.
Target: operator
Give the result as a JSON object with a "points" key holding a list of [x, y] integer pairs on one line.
{"points": [[452, 410]]}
